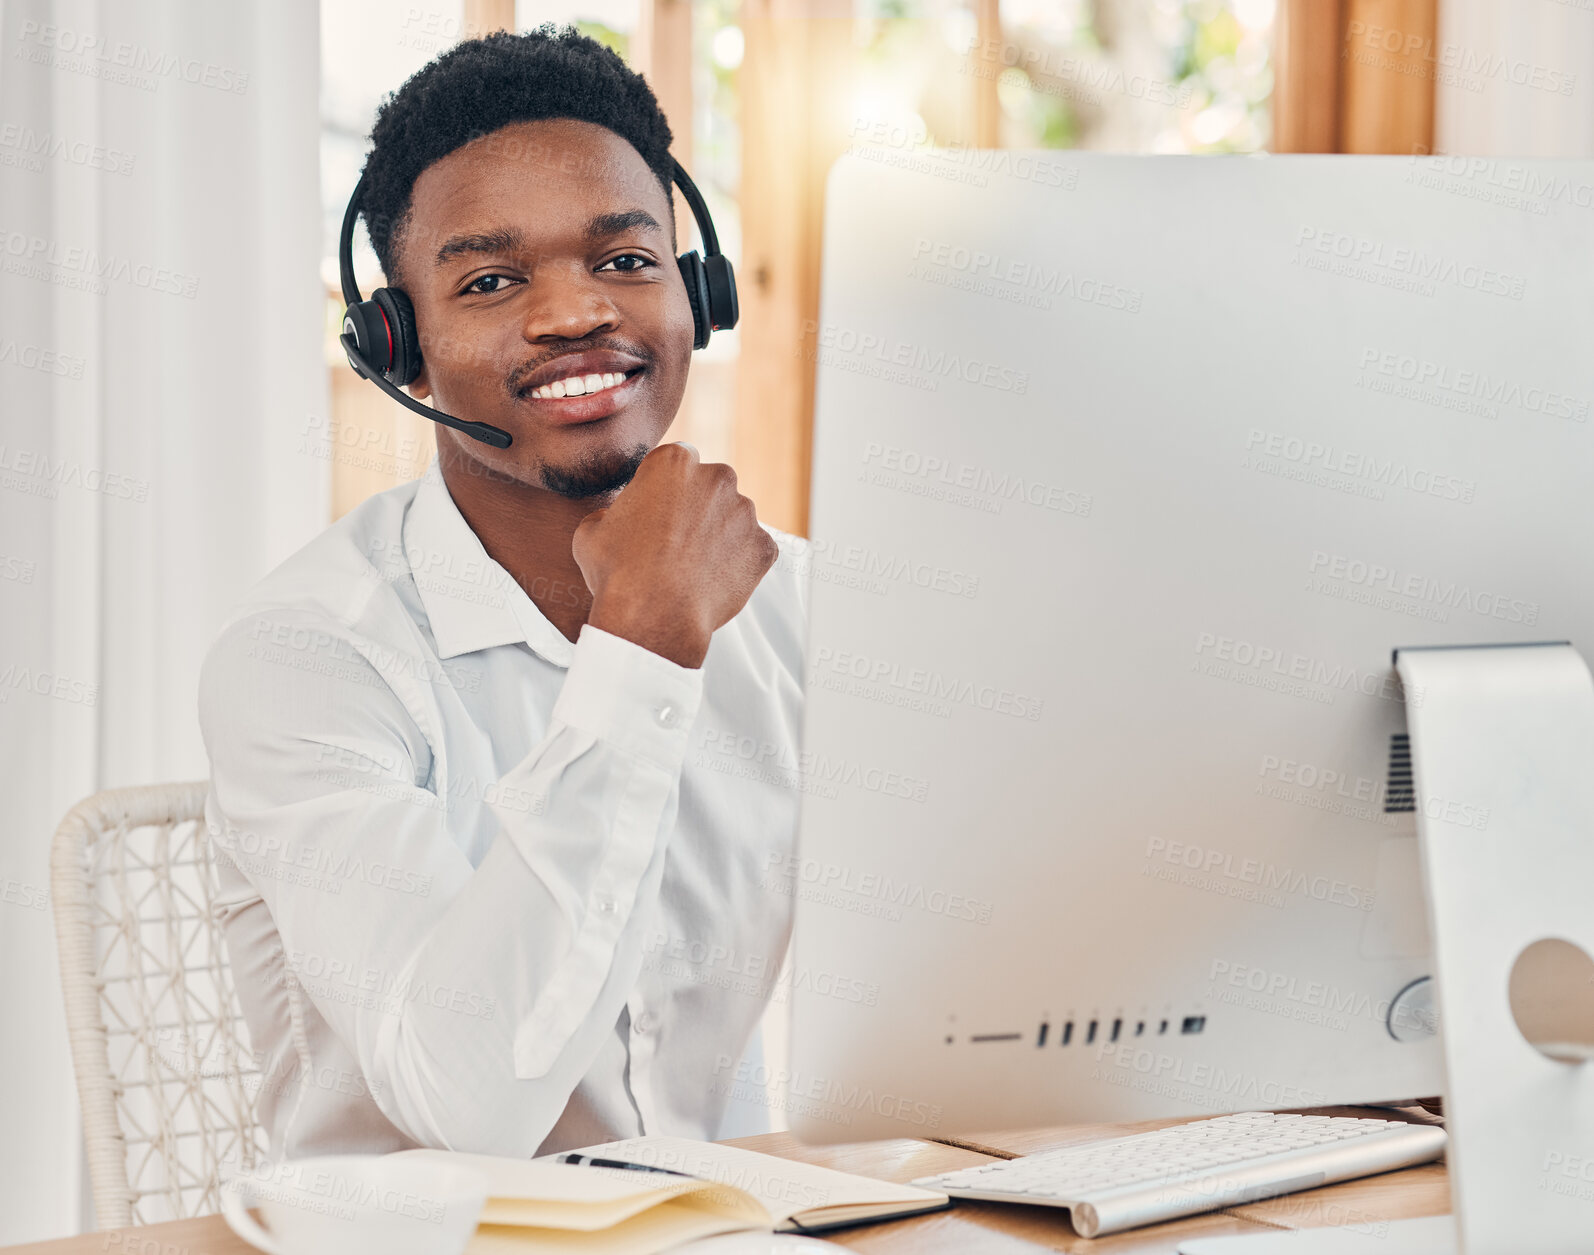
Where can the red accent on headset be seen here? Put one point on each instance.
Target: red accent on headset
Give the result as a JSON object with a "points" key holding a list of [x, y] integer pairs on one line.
{"points": [[389, 330]]}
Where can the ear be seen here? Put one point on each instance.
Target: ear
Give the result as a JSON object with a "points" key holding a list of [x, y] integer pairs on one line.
{"points": [[420, 387]]}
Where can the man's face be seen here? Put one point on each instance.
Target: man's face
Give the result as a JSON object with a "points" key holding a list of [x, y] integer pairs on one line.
{"points": [[536, 242]]}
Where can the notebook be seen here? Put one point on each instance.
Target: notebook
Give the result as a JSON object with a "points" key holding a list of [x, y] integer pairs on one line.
{"points": [[544, 1206]]}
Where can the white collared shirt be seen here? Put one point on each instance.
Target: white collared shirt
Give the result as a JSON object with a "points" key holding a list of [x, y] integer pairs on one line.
{"points": [[484, 888]]}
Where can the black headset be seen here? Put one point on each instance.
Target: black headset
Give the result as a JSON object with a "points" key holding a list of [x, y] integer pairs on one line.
{"points": [[380, 338]]}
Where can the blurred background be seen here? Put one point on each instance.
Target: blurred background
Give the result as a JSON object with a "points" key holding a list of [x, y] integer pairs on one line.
{"points": [[177, 419], [762, 95]]}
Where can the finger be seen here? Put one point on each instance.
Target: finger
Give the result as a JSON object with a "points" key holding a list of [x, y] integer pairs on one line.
{"points": [[692, 448]]}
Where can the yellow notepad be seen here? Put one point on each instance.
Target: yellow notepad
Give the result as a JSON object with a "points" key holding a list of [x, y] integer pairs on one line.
{"points": [[544, 1206]]}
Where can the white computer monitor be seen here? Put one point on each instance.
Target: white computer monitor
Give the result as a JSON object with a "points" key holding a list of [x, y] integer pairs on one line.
{"points": [[1129, 474]]}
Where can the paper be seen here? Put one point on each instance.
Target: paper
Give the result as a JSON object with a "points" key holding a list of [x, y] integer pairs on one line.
{"points": [[538, 1204], [657, 1229], [785, 1187]]}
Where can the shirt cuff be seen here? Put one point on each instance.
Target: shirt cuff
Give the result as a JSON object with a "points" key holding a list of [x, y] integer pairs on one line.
{"points": [[630, 697]]}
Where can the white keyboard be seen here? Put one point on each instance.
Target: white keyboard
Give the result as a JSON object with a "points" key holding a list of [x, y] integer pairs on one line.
{"points": [[1201, 1166]]}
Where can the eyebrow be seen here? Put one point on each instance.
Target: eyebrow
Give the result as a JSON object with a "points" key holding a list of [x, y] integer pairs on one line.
{"points": [[511, 239], [613, 224], [498, 240]]}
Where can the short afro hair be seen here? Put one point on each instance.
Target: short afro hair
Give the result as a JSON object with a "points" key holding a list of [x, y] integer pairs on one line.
{"points": [[480, 85]]}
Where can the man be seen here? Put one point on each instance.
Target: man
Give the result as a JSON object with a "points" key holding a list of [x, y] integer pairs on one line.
{"points": [[502, 859]]}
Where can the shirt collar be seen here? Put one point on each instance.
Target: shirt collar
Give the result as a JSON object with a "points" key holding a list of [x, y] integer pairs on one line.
{"points": [[472, 602]]}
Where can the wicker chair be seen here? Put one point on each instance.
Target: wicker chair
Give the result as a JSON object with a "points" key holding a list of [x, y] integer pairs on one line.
{"points": [[165, 1076]]}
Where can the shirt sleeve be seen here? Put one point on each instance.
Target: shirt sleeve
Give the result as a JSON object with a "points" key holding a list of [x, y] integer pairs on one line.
{"points": [[474, 998]]}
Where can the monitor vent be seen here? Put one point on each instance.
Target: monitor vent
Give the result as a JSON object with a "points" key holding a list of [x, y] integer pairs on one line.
{"points": [[1400, 796]]}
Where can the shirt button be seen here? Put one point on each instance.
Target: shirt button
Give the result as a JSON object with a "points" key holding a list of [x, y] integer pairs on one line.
{"points": [[667, 716], [643, 1023], [606, 904]]}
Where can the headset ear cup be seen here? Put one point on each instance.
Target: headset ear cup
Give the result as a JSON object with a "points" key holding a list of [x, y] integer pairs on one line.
{"points": [[722, 306], [697, 295], [367, 324], [395, 304]]}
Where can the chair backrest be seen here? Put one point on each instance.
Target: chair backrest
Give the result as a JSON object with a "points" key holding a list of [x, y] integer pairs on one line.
{"points": [[165, 1075]]}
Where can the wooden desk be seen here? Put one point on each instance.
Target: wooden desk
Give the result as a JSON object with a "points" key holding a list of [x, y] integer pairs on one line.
{"points": [[968, 1228]]}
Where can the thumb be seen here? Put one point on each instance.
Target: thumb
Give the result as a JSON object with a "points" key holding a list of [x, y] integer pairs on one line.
{"points": [[589, 523]]}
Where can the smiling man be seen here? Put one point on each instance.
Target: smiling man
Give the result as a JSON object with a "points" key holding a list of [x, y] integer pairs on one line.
{"points": [[501, 790]]}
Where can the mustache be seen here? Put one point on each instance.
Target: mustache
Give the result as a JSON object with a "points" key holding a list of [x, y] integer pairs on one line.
{"points": [[516, 382]]}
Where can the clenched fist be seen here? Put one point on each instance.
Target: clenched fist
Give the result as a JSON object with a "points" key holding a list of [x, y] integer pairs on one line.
{"points": [[677, 554]]}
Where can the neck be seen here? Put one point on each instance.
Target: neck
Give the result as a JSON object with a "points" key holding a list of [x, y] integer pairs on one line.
{"points": [[527, 531]]}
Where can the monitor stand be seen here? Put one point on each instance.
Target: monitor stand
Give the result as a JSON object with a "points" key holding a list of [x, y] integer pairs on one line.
{"points": [[1511, 910]]}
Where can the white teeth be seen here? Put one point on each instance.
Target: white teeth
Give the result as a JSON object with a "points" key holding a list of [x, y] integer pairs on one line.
{"points": [[579, 385]]}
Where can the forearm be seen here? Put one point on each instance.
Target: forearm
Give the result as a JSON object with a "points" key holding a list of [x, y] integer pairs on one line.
{"points": [[501, 1017]]}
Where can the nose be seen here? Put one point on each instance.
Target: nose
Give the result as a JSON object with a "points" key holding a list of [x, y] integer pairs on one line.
{"points": [[567, 303]]}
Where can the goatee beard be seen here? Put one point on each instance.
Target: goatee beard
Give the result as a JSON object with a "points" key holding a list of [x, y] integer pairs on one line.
{"points": [[596, 474]]}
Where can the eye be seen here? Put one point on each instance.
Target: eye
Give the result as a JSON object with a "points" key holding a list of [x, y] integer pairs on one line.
{"points": [[497, 282], [629, 270]]}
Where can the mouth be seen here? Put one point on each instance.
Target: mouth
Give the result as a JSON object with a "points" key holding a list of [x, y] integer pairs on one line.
{"points": [[584, 398]]}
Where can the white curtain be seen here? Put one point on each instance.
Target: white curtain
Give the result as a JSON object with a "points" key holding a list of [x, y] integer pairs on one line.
{"points": [[1515, 78], [160, 360]]}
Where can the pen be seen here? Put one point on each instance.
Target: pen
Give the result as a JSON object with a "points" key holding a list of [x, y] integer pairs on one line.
{"points": [[572, 1157]]}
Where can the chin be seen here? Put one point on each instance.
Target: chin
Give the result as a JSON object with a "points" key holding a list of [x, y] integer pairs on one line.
{"points": [[595, 473]]}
